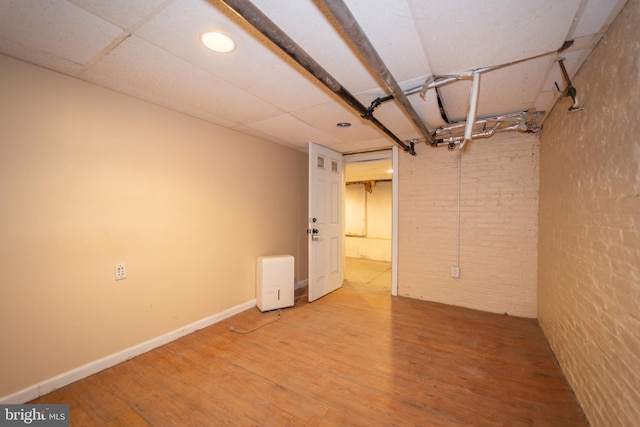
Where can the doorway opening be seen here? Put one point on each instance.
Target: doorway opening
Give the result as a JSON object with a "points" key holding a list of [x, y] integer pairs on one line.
{"points": [[370, 221]]}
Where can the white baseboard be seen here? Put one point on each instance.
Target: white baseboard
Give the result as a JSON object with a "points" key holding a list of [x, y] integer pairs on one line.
{"points": [[96, 366]]}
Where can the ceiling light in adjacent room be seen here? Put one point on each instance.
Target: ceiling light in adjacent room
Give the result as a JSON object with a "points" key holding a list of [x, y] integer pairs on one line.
{"points": [[389, 170], [218, 42]]}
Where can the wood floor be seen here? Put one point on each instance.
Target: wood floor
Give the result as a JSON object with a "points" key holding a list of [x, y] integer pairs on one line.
{"points": [[355, 357]]}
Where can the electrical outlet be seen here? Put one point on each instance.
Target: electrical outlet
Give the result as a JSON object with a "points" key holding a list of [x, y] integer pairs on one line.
{"points": [[455, 272], [121, 271]]}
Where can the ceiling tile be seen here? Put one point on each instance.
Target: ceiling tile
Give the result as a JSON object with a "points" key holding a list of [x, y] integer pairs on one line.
{"points": [[123, 13], [391, 28], [57, 27], [461, 35], [35, 55], [261, 71], [326, 116], [545, 101], [293, 131], [396, 120], [266, 137], [315, 34], [596, 15], [180, 84]]}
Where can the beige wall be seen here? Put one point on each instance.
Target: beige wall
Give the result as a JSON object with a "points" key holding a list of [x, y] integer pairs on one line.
{"points": [[589, 240], [90, 178], [498, 227]]}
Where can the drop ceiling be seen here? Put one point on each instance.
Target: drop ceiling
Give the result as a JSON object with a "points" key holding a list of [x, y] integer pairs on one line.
{"points": [[150, 49]]}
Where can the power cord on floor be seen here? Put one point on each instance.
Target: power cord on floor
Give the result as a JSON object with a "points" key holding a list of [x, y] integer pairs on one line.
{"points": [[232, 329]]}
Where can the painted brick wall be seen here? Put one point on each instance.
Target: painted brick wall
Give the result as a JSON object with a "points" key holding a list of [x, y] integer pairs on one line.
{"points": [[589, 239], [498, 228]]}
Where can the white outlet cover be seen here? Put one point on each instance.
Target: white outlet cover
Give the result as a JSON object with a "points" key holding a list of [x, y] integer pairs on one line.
{"points": [[455, 272]]}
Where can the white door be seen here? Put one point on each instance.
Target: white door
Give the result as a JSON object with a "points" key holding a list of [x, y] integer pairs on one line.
{"points": [[326, 234]]}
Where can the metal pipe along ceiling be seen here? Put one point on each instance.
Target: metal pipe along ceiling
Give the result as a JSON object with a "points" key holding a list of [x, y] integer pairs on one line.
{"points": [[251, 14], [360, 41]]}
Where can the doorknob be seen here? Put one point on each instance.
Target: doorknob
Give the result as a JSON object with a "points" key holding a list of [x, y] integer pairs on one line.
{"points": [[314, 234]]}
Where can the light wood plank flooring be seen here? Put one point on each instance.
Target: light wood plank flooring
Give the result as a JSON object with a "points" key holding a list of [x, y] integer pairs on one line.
{"points": [[355, 357]]}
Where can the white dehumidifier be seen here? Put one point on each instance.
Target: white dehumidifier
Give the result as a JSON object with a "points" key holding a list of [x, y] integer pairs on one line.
{"points": [[275, 282]]}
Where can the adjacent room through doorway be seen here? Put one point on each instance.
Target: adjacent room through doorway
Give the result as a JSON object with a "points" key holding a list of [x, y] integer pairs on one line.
{"points": [[368, 222]]}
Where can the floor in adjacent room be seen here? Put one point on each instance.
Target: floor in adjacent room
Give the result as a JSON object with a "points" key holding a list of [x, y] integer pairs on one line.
{"points": [[357, 356]]}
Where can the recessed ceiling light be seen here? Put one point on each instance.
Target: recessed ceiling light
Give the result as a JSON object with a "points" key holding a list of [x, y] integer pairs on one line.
{"points": [[343, 124], [218, 42]]}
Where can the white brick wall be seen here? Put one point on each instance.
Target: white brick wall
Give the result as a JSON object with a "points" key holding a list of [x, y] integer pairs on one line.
{"points": [[589, 240], [498, 242]]}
